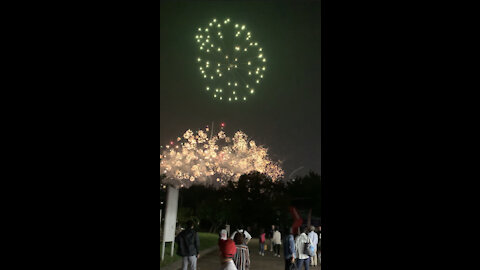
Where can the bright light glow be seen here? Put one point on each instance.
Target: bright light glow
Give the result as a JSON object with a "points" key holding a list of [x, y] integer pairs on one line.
{"points": [[249, 63], [208, 88], [244, 98], [243, 27], [236, 25], [252, 91], [198, 59]]}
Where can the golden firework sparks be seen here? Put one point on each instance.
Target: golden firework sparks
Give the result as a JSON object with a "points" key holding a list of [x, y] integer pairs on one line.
{"points": [[212, 161]]}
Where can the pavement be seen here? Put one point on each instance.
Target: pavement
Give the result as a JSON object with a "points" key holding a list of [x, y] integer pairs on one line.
{"points": [[210, 259]]}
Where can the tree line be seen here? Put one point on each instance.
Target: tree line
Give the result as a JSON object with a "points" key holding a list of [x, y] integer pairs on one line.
{"points": [[254, 201]]}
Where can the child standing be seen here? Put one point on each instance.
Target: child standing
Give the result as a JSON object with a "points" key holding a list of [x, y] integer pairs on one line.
{"points": [[261, 240]]}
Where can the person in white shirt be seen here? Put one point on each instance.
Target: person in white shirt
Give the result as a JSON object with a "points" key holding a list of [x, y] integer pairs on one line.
{"points": [[277, 242], [245, 233], [319, 245], [312, 235], [302, 257]]}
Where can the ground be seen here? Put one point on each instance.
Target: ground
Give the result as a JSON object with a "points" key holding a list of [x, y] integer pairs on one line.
{"points": [[211, 261]]}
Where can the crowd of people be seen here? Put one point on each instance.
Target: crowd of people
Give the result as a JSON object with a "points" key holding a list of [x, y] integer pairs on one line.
{"points": [[295, 247], [301, 249]]}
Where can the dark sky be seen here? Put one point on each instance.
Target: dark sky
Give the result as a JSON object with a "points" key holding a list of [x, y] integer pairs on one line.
{"points": [[284, 114]]}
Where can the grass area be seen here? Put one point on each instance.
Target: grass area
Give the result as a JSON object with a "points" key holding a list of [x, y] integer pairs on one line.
{"points": [[207, 240]]}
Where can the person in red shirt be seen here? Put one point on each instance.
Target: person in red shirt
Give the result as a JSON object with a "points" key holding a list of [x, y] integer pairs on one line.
{"points": [[261, 240], [227, 252]]}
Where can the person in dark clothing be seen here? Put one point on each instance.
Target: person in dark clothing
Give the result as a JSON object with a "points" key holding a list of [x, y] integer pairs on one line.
{"points": [[270, 236], [289, 248], [188, 246]]}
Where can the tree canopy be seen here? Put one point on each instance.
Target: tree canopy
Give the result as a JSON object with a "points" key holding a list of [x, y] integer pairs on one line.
{"points": [[255, 201]]}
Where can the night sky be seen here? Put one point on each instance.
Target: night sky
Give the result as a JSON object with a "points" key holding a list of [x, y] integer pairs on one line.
{"points": [[284, 113]]}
